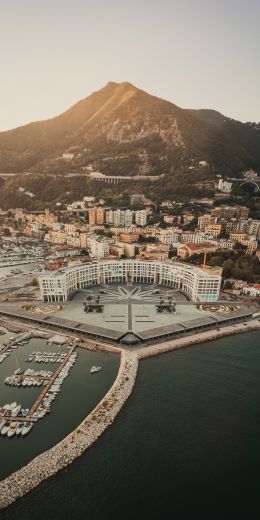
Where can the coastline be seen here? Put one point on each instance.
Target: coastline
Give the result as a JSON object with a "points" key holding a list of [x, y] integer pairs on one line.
{"points": [[200, 337], [103, 415], [65, 452]]}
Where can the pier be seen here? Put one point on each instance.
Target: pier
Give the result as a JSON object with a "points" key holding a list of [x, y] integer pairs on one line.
{"points": [[51, 381]]}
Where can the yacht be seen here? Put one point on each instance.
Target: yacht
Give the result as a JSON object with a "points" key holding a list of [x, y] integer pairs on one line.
{"points": [[27, 428], [12, 429], [15, 410], [19, 428], [12, 405], [95, 369], [2, 423], [5, 428]]}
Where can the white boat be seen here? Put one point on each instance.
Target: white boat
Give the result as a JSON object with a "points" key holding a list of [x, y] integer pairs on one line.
{"points": [[12, 429], [12, 405], [27, 428], [15, 410], [95, 369], [2, 423], [5, 428], [19, 428]]}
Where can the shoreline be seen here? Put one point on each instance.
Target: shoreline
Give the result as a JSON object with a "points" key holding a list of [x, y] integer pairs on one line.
{"points": [[200, 337], [104, 414], [73, 445]]}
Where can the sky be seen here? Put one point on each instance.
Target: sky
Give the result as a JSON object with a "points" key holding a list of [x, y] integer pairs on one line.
{"points": [[195, 53]]}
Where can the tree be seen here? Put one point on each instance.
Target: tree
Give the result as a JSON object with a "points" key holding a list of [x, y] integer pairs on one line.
{"points": [[239, 247], [228, 284], [228, 267]]}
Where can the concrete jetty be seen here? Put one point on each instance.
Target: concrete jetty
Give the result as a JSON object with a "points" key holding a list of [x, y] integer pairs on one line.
{"points": [[51, 461], [200, 337]]}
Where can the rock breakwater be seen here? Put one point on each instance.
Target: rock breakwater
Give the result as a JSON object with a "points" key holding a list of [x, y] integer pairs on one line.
{"points": [[53, 460]]}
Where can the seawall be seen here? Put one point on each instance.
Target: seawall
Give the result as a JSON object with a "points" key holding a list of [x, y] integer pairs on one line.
{"points": [[62, 454], [201, 337]]}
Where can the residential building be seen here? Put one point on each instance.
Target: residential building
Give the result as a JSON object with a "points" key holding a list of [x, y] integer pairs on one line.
{"points": [[141, 217]]}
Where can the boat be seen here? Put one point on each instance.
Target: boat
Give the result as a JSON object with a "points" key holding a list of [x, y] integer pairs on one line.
{"points": [[95, 369], [27, 428], [19, 428], [2, 423], [5, 428], [12, 429], [12, 405], [15, 410]]}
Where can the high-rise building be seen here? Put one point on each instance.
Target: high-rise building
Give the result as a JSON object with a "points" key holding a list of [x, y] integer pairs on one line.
{"points": [[119, 217], [100, 216], [141, 217], [99, 247], [92, 216]]}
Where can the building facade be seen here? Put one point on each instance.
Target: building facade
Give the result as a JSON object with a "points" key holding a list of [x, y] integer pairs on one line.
{"points": [[199, 285]]}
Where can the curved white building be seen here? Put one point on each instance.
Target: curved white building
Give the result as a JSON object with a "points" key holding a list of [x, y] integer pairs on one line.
{"points": [[199, 285]]}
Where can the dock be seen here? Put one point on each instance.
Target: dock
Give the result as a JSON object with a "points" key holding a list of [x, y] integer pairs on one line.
{"points": [[51, 381]]}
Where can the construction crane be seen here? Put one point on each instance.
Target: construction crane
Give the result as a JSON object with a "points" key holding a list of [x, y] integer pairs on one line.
{"points": [[204, 265]]}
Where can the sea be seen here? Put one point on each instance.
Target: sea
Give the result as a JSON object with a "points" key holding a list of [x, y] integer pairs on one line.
{"points": [[185, 446]]}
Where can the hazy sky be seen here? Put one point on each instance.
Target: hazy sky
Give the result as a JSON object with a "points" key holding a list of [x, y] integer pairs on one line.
{"points": [[195, 53]]}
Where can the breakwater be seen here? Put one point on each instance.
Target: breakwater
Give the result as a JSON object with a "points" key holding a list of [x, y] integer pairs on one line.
{"points": [[201, 337], [72, 446]]}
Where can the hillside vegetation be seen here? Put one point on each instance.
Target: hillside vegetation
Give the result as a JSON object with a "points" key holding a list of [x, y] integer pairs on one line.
{"points": [[121, 130]]}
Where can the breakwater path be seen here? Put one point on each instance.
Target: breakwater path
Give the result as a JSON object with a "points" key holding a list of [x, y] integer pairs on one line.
{"points": [[200, 337], [51, 461]]}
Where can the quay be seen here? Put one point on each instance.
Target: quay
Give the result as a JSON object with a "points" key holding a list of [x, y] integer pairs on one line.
{"points": [[209, 335], [51, 381]]}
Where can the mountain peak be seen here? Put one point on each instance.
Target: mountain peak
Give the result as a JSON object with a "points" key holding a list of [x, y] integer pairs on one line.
{"points": [[123, 129], [120, 84]]}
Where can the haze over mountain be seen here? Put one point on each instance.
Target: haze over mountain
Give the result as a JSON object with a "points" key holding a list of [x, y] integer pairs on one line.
{"points": [[123, 130]]}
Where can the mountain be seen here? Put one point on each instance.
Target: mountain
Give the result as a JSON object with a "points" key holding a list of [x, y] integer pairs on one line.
{"points": [[121, 129]]}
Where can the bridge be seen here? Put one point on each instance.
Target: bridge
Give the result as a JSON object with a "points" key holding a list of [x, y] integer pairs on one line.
{"points": [[253, 182]]}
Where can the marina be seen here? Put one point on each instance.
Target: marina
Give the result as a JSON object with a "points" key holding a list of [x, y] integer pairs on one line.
{"points": [[52, 386], [64, 416], [72, 446]]}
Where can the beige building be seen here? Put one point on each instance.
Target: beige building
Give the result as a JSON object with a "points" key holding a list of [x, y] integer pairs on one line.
{"points": [[100, 216], [213, 229], [187, 250], [92, 216], [130, 249]]}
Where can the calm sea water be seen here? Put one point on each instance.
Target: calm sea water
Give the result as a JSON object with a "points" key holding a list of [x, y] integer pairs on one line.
{"points": [[80, 392], [186, 445]]}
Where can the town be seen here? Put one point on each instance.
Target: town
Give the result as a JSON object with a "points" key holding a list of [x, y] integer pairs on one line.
{"points": [[217, 236]]}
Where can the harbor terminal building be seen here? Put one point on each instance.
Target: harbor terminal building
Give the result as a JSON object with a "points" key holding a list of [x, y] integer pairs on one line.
{"points": [[198, 284]]}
